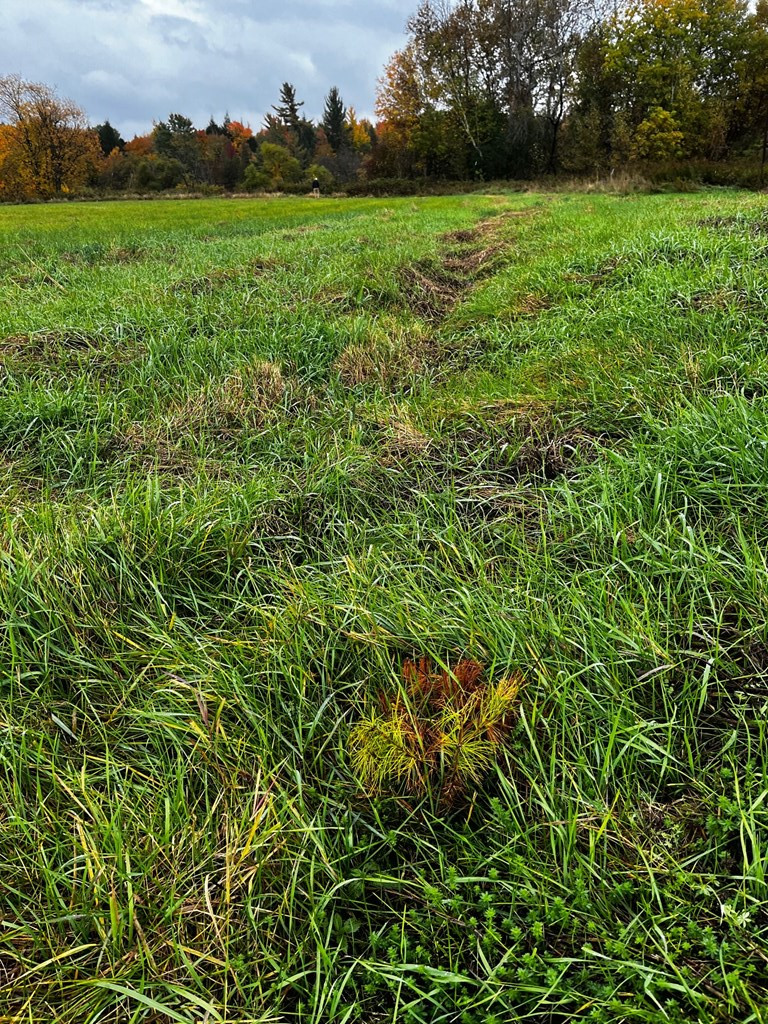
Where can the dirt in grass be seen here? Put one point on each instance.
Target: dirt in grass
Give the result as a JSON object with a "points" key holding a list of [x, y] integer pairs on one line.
{"points": [[485, 227], [493, 469], [45, 344], [47, 353], [10, 969], [725, 299], [522, 452], [151, 449], [475, 263], [650, 832], [745, 670], [430, 288], [737, 222], [216, 280], [604, 275], [463, 236]]}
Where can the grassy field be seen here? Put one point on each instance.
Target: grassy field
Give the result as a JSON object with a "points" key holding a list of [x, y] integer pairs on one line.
{"points": [[254, 456]]}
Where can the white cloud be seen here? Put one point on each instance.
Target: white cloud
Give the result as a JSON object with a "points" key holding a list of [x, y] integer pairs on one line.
{"points": [[109, 82], [181, 9], [303, 62], [133, 61]]}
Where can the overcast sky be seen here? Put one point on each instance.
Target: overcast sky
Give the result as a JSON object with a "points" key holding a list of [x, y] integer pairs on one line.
{"points": [[135, 61]]}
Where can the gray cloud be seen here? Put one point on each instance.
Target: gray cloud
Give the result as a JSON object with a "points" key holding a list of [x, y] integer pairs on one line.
{"points": [[134, 61]]}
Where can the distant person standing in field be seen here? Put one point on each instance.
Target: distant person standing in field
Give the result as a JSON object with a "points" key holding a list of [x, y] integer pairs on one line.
{"points": [[316, 188]]}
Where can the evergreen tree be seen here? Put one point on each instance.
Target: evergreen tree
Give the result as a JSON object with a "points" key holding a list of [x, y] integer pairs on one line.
{"points": [[177, 139], [215, 129], [287, 109], [305, 140], [335, 120], [109, 138]]}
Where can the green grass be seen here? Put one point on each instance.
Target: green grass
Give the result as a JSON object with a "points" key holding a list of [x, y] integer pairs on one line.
{"points": [[254, 455]]}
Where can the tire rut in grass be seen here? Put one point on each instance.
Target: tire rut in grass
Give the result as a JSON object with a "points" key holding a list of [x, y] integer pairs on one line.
{"points": [[247, 399], [431, 288], [493, 469]]}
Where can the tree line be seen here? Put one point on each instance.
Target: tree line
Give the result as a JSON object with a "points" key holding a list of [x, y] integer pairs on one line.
{"points": [[47, 148], [481, 90], [520, 88]]}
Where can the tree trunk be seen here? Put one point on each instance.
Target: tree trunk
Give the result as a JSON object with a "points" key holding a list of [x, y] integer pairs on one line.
{"points": [[553, 147]]}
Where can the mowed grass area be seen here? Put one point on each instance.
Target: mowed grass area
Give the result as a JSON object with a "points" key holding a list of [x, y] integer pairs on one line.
{"points": [[253, 456]]}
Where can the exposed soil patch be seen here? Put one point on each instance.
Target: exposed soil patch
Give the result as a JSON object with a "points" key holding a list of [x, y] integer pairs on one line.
{"points": [[429, 289], [598, 278], [221, 277], [339, 302], [67, 351], [666, 828], [10, 969], [486, 489], [96, 254], [738, 222], [488, 226], [491, 468], [532, 304], [153, 450], [747, 668], [523, 450], [725, 299], [463, 236], [45, 345], [37, 278], [475, 263]]}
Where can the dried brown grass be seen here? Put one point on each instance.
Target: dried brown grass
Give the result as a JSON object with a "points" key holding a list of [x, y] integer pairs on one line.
{"points": [[243, 399]]}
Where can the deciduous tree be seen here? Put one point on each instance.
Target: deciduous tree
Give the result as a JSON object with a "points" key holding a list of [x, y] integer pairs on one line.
{"points": [[399, 107], [282, 168], [53, 148]]}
